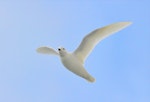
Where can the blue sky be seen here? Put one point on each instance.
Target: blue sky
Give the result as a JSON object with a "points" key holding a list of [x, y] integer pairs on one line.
{"points": [[120, 63]]}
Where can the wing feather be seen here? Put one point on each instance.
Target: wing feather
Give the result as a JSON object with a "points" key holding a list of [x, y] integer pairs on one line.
{"points": [[47, 50], [91, 40]]}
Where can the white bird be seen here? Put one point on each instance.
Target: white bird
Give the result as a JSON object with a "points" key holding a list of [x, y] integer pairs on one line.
{"points": [[75, 61]]}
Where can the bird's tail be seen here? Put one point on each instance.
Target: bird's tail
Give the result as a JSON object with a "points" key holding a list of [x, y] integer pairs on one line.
{"points": [[90, 79]]}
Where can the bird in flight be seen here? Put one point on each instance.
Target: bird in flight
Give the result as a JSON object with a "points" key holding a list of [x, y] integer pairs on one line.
{"points": [[74, 61]]}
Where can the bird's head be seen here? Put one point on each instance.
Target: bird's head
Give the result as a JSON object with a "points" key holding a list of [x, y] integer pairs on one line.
{"points": [[62, 51]]}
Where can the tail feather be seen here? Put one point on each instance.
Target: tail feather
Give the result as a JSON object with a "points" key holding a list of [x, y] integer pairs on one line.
{"points": [[90, 79]]}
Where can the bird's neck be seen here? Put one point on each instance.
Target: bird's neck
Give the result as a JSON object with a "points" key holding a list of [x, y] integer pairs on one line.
{"points": [[64, 54]]}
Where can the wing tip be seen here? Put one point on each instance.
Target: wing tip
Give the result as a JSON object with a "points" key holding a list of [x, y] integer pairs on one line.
{"points": [[38, 50], [126, 23], [41, 50]]}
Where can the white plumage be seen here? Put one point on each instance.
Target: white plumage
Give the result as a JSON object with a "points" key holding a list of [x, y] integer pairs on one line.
{"points": [[75, 61]]}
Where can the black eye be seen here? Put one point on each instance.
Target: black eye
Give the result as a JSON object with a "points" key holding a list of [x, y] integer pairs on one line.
{"points": [[59, 49]]}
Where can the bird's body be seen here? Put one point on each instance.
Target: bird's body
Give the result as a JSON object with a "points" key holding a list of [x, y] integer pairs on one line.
{"points": [[71, 62], [75, 61]]}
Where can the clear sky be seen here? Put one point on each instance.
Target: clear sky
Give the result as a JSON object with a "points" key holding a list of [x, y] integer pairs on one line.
{"points": [[120, 63]]}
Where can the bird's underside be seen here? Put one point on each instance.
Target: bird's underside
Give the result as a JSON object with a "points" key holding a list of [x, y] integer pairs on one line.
{"points": [[74, 61]]}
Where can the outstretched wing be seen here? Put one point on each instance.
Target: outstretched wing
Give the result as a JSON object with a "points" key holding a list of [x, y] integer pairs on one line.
{"points": [[47, 50], [91, 40]]}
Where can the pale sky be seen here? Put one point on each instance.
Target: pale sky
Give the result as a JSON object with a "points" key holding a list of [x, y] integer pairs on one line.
{"points": [[120, 63]]}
